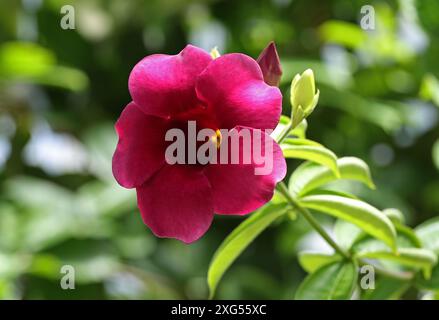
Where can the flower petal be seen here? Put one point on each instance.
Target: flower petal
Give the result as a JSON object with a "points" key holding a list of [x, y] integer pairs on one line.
{"points": [[233, 86], [164, 85], [141, 147], [177, 203], [237, 189]]}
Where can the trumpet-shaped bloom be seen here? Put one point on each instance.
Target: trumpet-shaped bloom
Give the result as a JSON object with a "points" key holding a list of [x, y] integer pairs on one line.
{"points": [[179, 201]]}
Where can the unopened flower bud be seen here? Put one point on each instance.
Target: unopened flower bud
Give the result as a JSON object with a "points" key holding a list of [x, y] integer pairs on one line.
{"points": [[269, 62], [304, 96]]}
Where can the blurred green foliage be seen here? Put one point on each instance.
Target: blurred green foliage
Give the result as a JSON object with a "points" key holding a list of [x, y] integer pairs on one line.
{"points": [[62, 90]]}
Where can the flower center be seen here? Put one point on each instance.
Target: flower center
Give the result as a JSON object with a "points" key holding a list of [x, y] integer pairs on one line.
{"points": [[217, 138], [199, 129]]}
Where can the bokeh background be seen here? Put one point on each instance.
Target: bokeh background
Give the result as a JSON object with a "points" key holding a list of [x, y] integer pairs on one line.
{"points": [[62, 90]]}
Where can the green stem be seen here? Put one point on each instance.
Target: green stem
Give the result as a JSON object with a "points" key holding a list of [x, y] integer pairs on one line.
{"points": [[282, 188], [285, 131]]}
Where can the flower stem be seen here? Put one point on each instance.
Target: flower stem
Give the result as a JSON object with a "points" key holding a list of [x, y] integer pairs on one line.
{"points": [[285, 131], [282, 188]]}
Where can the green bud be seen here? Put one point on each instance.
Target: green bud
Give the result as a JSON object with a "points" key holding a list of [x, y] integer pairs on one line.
{"points": [[304, 97]]}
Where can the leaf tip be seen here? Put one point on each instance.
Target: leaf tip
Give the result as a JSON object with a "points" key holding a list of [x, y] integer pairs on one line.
{"points": [[212, 289]]}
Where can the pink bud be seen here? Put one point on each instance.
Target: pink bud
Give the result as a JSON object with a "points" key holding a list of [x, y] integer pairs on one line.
{"points": [[269, 62]]}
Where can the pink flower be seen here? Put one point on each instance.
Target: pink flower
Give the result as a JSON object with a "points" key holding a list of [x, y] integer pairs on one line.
{"points": [[179, 201]]}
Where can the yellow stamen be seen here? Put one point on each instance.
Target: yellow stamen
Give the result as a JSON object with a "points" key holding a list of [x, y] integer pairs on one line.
{"points": [[217, 138]]}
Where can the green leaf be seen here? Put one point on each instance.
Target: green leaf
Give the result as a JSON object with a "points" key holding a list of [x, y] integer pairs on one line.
{"points": [[430, 88], [301, 142], [311, 261], [368, 244], [12, 265], [239, 239], [428, 232], [8, 290], [317, 154], [435, 154], [395, 215], [410, 257], [29, 62], [386, 289], [309, 176], [45, 265], [346, 234], [407, 236], [365, 216], [332, 192], [24, 59], [335, 281], [432, 283], [343, 33]]}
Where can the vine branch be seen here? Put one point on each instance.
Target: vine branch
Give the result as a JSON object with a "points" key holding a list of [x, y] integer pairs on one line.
{"points": [[282, 188]]}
